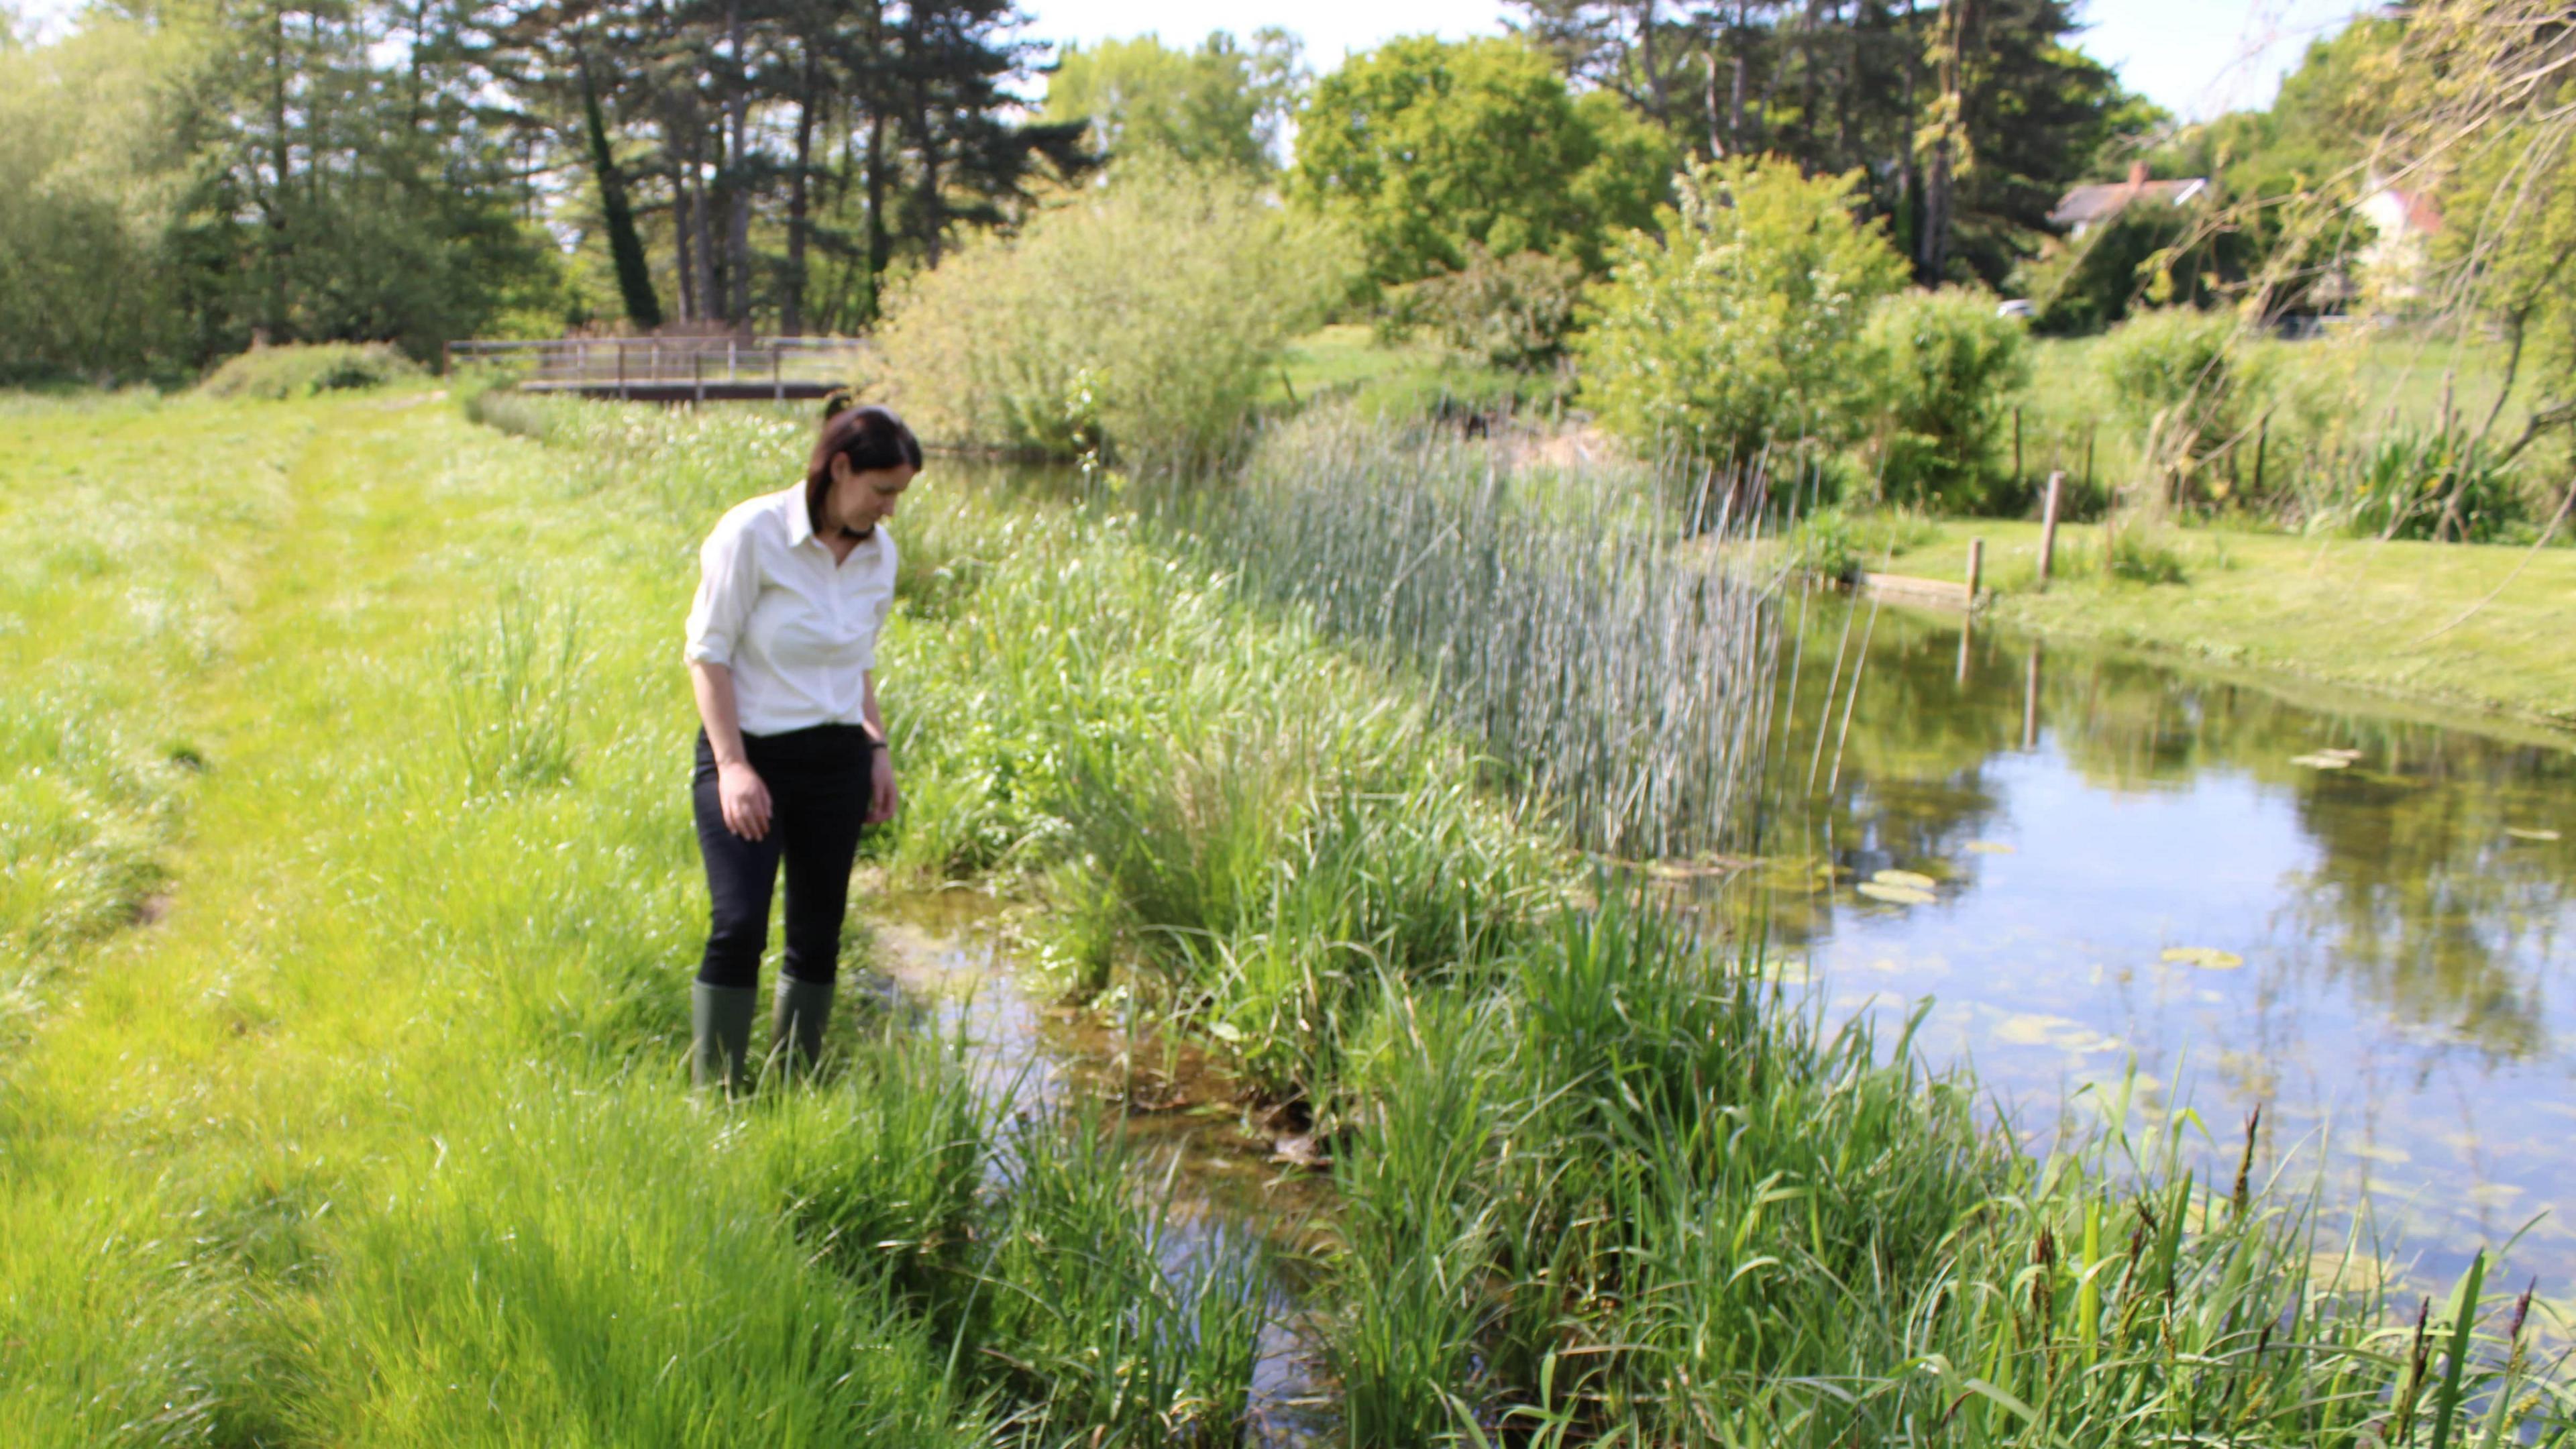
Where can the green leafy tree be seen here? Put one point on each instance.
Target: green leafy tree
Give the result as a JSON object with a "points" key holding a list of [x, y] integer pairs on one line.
{"points": [[1223, 104], [1967, 120], [1425, 150], [1946, 368], [1740, 327]]}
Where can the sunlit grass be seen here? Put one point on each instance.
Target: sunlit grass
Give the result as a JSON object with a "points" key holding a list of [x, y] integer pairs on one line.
{"points": [[378, 1137]]}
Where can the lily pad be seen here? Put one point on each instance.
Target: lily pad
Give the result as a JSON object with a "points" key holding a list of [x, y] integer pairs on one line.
{"points": [[1896, 894], [1909, 880], [2030, 1028], [2530, 832], [2343, 1273], [2322, 761], [2207, 958], [1990, 847]]}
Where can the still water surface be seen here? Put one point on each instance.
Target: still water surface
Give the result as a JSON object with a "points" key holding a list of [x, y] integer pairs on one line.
{"points": [[2358, 918]]}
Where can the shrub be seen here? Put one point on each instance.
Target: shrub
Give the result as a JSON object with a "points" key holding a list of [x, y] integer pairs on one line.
{"points": [[1944, 363], [1510, 312], [2142, 556], [1833, 543], [1742, 325], [304, 369], [1147, 314], [2435, 484], [2183, 378]]}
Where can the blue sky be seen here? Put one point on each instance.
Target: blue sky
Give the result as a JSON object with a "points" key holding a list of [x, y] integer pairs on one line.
{"points": [[2194, 57]]}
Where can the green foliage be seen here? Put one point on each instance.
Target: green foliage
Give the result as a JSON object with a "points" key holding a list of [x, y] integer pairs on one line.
{"points": [[511, 694], [1422, 148], [2094, 281], [2185, 381], [150, 231], [1511, 312], [2440, 483], [1221, 105], [1118, 1322], [1151, 310], [1946, 366], [1841, 89], [300, 370], [88, 164], [2510, 231], [1837, 543], [1741, 327], [2142, 555]]}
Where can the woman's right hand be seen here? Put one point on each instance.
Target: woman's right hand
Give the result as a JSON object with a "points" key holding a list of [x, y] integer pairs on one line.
{"points": [[745, 800]]}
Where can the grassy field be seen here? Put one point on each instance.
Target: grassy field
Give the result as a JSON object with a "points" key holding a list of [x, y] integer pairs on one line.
{"points": [[373, 1131], [2377, 616], [375, 1134]]}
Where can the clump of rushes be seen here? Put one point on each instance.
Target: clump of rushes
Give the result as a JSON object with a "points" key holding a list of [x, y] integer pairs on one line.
{"points": [[1617, 667], [1599, 1182]]}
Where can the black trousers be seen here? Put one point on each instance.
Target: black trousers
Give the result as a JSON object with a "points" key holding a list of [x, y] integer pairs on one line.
{"points": [[818, 794]]}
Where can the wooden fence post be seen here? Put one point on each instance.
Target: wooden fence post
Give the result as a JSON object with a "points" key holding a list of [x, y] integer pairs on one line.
{"points": [[2030, 701], [1976, 567], [2048, 527]]}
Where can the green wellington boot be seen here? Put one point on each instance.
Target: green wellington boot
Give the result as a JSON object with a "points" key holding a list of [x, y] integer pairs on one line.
{"points": [[796, 1020], [720, 1035]]}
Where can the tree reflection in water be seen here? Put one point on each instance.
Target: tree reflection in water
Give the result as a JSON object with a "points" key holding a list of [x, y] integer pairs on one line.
{"points": [[2399, 944]]}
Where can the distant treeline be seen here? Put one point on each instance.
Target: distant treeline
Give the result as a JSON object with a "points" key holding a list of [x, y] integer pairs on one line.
{"points": [[187, 177]]}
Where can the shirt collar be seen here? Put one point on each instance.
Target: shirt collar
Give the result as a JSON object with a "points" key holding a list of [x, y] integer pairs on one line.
{"points": [[800, 517]]}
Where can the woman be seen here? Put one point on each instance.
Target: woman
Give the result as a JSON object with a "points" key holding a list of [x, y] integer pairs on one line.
{"points": [[793, 588]]}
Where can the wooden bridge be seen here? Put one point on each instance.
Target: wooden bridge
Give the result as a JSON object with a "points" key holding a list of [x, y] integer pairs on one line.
{"points": [[676, 369]]}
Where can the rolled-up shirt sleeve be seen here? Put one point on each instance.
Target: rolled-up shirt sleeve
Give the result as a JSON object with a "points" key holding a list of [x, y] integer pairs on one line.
{"points": [[728, 584]]}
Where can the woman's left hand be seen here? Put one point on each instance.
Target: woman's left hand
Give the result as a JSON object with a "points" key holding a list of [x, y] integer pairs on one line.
{"points": [[882, 795]]}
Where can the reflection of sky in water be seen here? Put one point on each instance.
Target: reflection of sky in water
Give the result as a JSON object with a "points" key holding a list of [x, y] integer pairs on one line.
{"points": [[2400, 978]]}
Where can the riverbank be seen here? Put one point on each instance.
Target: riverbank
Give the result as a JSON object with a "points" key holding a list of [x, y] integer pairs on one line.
{"points": [[376, 1138], [2480, 627]]}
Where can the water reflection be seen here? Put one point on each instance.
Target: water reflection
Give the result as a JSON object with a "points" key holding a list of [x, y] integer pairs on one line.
{"points": [[2348, 913]]}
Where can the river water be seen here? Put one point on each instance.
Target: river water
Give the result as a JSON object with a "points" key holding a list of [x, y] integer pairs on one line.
{"points": [[2355, 915]]}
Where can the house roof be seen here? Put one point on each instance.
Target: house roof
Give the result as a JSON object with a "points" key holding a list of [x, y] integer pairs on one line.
{"points": [[2089, 205]]}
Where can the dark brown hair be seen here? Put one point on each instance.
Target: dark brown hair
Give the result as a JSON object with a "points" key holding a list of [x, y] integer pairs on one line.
{"points": [[869, 436]]}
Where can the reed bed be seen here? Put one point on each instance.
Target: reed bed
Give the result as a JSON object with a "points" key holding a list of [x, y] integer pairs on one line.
{"points": [[1614, 657]]}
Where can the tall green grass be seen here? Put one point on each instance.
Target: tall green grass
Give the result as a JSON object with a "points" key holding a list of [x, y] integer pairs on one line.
{"points": [[380, 1135]]}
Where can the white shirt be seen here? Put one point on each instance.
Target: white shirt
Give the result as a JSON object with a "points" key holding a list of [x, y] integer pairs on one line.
{"points": [[798, 630]]}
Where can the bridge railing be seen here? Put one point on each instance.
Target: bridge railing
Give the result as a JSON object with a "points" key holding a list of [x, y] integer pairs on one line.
{"points": [[609, 364]]}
